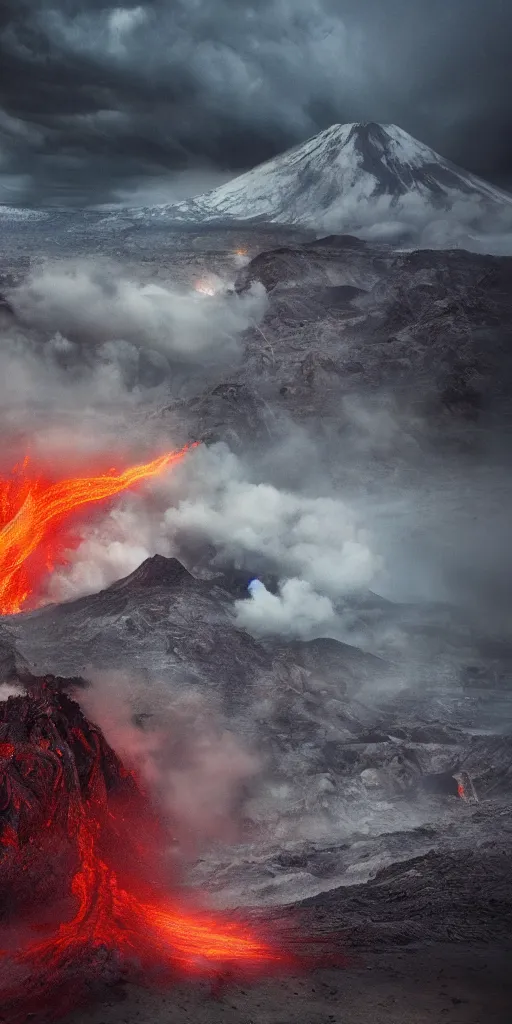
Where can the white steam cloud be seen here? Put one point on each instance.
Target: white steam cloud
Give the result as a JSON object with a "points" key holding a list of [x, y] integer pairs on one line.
{"points": [[8, 690], [295, 611], [468, 224], [90, 348], [315, 543], [316, 539], [82, 301]]}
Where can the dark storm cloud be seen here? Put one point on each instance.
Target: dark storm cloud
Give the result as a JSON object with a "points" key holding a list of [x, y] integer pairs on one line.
{"points": [[97, 97]]}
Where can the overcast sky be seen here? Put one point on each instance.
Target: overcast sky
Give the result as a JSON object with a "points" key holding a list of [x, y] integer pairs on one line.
{"points": [[168, 97]]}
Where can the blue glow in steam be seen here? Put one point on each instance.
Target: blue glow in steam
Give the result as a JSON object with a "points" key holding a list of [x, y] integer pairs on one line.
{"points": [[255, 585]]}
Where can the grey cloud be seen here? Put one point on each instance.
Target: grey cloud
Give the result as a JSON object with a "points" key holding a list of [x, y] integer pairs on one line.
{"points": [[196, 779], [92, 345], [100, 305], [105, 96], [316, 543]]}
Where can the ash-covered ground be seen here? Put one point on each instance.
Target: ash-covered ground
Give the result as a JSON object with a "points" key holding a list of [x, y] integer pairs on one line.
{"points": [[336, 742]]}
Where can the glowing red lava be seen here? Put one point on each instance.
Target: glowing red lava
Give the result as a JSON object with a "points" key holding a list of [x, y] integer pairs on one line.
{"points": [[145, 930], [34, 514], [65, 799]]}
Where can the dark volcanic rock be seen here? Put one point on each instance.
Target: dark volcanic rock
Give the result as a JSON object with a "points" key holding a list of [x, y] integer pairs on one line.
{"points": [[156, 571], [440, 897], [161, 622], [431, 328], [332, 661], [158, 622], [52, 760]]}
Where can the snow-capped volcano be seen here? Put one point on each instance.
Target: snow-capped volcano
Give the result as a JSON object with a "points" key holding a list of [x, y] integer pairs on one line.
{"points": [[323, 181]]}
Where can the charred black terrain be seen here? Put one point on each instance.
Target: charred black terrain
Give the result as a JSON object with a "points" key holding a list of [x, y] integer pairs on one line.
{"points": [[52, 762], [431, 330]]}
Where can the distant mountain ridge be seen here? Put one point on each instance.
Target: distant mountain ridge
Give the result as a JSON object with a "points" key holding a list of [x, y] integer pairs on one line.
{"points": [[323, 179]]}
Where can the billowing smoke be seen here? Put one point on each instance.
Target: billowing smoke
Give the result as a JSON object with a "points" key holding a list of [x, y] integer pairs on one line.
{"points": [[296, 611], [468, 224], [8, 690], [317, 544], [193, 765], [317, 539], [88, 347], [101, 304]]}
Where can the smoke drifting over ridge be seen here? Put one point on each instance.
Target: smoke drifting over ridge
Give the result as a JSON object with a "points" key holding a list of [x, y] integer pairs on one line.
{"points": [[69, 387], [416, 223], [95, 343], [210, 500], [95, 303]]}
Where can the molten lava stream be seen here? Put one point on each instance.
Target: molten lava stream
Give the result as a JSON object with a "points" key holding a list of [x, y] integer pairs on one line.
{"points": [[154, 930], [142, 930], [67, 801], [33, 517]]}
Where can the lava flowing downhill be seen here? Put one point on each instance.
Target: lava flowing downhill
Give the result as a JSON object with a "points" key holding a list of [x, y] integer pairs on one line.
{"points": [[34, 522], [85, 892], [149, 935], [78, 836]]}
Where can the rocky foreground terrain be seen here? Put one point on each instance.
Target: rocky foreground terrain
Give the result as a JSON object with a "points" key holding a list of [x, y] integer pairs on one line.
{"points": [[355, 822]]}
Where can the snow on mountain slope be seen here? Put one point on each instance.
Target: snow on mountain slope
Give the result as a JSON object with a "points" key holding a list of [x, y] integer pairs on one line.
{"points": [[324, 180]]}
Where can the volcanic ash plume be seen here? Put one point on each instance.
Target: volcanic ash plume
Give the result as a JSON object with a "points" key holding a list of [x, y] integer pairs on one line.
{"points": [[195, 767], [102, 305]]}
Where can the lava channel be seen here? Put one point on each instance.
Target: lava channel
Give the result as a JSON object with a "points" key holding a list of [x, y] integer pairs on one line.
{"points": [[35, 516], [80, 842]]}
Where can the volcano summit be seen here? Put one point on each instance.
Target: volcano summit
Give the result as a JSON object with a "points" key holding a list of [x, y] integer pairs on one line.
{"points": [[326, 179]]}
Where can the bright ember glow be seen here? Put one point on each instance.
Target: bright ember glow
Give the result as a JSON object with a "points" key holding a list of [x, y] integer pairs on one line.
{"points": [[34, 522], [152, 928], [121, 911], [205, 287], [111, 907]]}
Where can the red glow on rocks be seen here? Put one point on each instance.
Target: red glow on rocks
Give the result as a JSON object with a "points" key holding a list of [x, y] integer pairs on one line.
{"points": [[147, 930], [122, 910], [84, 854], [35, 515]]}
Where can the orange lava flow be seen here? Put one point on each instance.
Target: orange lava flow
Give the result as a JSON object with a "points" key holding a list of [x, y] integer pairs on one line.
{"points": [[88, 856], [34, 513], [155, 930], [141, 927]]}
